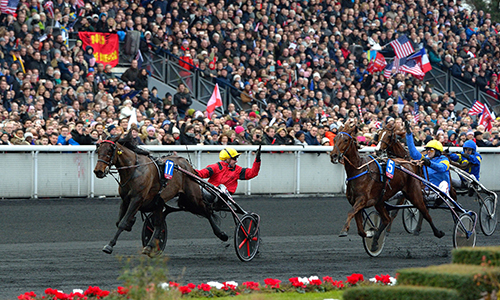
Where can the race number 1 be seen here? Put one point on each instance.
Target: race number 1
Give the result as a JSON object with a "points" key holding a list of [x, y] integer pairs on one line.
{"points": [[389, 170], [169, 169]]}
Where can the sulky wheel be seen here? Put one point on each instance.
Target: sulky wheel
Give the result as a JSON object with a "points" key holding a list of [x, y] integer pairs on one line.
{"points": [[487, 215], [246, 237], [410, 218], [371, 226], [147, 232], [464, 233]]}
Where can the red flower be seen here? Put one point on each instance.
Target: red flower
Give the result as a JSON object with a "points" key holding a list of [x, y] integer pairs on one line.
{"points": [[204, 287], [296, 283], [315, 282], [122, 291], [184, 289], [385, 279], [272, 283], [27, 296], [355, 278], [227, 287], [173, 284], [328, 279], [251, 285]]}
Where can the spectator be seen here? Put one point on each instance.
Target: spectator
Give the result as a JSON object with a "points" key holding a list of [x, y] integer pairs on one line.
{"points": [[65, 137], [182, 100]]}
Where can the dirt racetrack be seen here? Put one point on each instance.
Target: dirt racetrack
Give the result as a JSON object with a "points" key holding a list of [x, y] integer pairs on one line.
{"points": [[57, 244]]}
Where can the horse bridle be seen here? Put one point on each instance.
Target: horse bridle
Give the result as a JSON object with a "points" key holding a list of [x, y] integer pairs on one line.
{"points": [[341, 155], [111, 157]]}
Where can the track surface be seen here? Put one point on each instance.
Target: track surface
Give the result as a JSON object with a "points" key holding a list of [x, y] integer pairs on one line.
{"points": [[57, 244]]}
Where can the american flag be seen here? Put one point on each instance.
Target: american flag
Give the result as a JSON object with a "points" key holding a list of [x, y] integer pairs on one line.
{"points": [[49, 8], [402, 46], [388, 70], [395, 68], [80, 3], [9, 7], [476, 109], [416, 115], [412, 67]]}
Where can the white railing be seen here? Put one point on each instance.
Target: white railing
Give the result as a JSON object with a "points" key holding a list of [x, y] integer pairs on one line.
{"points": [[67, 171]]}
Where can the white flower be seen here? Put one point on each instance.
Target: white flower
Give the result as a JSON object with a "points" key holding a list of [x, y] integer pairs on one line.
{"points": [[164, 285], [233, 283], [393, 281], [373, 280], [215, 284], [303, 280], [78, 291], [311, 278]]}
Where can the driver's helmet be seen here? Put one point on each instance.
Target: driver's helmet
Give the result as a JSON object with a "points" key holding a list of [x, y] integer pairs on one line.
{"points": [[228, 153], [435, 144], [469, 144]]}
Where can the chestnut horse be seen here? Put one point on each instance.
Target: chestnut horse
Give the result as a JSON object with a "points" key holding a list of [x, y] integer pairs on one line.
{"points": [[141, 190], [366, 186]]}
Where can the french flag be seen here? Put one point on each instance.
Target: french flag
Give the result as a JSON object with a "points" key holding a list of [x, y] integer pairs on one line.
{"points": [[422, 59]]}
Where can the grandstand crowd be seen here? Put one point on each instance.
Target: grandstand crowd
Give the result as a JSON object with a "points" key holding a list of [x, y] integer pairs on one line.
{"points": [[306, 60]]}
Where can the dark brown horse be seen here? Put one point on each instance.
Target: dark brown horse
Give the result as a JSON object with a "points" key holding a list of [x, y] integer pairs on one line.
{"points": [[366, 186], [141, 190], [388, 142]]}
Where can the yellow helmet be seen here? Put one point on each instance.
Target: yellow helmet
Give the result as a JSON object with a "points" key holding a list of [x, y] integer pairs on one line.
{"points": [[435, 144], [227, 153]]}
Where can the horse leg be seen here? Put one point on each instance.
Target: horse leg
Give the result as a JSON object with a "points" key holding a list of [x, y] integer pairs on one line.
{"points": [[400, 197], [357, 207], [125, 223], [417, 199], [157, 219], [386, 220], [217, 231]]}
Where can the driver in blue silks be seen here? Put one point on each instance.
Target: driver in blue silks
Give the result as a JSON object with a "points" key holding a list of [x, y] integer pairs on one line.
{"points": [[436, 168], [469, 160], [436, 165]]}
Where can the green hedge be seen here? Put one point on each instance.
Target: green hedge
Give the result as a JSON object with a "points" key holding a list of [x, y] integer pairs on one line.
{"points": [[463, 278], [474, 256], [399, 292]]}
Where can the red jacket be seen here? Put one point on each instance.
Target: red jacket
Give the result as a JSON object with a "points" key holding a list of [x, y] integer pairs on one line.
{"points": [[220, 173]]}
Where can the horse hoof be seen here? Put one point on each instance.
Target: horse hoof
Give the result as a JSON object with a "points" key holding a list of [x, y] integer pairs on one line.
{"points": [[440, 234], [147, 250], [416, 232], [223, 237], [107, 249], [343, 234]]}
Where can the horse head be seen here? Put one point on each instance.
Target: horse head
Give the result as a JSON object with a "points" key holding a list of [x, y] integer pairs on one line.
{"points": [[343, 141], [387, 139], [106, 156]]}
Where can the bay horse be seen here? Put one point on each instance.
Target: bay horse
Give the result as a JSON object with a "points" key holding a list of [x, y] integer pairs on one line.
{"points": [[366, 186], [388, 142], [141, 190]]}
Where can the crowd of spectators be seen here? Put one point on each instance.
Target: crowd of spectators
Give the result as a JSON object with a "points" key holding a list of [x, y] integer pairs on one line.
{"points": [[306, 60]]}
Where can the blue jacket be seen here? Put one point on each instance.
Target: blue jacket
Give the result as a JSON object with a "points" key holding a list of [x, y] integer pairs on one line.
{"points": [[311, 140], [62, 140], [474, 160], [439, 169]]}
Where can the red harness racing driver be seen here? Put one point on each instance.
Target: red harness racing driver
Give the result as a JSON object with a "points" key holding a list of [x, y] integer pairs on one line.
{"points": [[227, 172]]}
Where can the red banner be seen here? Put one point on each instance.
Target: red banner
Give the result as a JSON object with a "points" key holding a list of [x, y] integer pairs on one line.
{"points": [[105, 46]]}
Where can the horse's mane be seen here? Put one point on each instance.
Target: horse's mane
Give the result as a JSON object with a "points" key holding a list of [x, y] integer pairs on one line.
{"points": [[131, 144]]}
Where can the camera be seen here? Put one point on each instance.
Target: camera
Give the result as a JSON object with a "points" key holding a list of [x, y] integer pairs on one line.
{"points": [[258, 136]]}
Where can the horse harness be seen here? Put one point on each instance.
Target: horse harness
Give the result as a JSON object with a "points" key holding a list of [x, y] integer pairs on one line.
{"points": [[367, 171], [117, 150]]}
